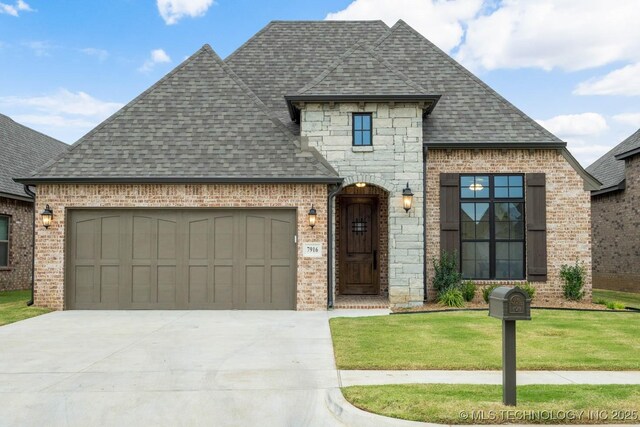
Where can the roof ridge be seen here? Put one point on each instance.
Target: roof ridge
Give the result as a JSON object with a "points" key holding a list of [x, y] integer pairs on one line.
{"points": [[613, 151], [124, 108], [402, 24], [360, 45]]}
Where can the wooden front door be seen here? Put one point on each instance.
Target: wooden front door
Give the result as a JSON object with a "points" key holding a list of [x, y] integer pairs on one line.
{"points": [[358, 258]]}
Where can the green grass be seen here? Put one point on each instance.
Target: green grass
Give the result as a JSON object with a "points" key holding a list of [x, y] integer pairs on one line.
{"points": [[13, 307], [448, 403], [554, 339], [629, 299]]}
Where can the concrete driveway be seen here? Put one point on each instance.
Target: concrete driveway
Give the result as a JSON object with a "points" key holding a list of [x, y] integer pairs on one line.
{"points": [[222, 368]]}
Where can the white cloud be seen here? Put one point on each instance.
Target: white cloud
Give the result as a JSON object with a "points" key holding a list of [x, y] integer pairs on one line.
{"points": [[157, 56], [571, 125], [40, 47], [631, 119], [623, 81], [174, 10], [64, 114], [439, 21], [567, 34], [101, 54], [16, 8]]}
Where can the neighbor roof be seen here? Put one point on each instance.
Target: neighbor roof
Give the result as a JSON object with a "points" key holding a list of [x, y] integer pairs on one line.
{"points": [[609, 169], [22, 151], [200, 123]]}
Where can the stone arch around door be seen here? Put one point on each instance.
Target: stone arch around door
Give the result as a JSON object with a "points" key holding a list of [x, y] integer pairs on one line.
{"points": [[378, 191]]}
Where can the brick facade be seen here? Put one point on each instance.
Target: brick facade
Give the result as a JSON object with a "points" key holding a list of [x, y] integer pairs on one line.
{"points": [[394, 160], [18, 274], [568, 207], [50, 243], [616, 234]]}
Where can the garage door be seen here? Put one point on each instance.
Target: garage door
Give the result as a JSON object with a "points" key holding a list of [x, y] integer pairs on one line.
{"points": [[181, 259]]}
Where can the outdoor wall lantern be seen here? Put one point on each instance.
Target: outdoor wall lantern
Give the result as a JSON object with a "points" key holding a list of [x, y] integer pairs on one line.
{"points": [[312, 216], [407, 198], [46, 215]]}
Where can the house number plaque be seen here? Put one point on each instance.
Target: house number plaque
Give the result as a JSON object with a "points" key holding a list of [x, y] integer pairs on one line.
{"points": [[312, 250]]}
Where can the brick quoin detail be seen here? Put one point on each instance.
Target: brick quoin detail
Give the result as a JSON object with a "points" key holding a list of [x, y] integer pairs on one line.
{"points": [[50, 243]]}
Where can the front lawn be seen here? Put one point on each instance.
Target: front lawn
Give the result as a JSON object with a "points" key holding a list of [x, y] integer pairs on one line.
{"points": [[554, 339], [627, 298], [482, 404], [13, 307]]}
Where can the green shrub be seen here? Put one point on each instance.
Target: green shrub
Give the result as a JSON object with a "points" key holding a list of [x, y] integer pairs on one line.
{"points": [[615, 305], [468, 290], [529, 289], [446, 275], [486, 291], [573, 277], [451, 298], [601, 301]]}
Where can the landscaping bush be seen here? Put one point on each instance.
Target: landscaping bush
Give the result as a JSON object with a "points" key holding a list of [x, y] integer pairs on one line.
{"points": [[486, 291], [573, 277], [451, 298], [446, 275], [468, 290], [529, 289], [615, 305]]}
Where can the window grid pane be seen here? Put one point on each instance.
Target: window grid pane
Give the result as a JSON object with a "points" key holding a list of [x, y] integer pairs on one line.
{"points": [[4, 228], [362, 134]]}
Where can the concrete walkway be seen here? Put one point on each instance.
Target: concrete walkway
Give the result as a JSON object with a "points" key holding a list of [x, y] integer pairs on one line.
{"points": [[357, 377]]}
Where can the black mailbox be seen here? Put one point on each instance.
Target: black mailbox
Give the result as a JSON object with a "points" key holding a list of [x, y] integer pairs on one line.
{"points": [[509, 304]]}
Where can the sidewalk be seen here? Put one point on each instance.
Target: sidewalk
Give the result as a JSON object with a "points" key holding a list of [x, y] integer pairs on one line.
{"points": [[357, 377]]}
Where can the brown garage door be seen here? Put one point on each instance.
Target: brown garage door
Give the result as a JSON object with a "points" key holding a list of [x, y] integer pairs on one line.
{"points": [[181, 259]]}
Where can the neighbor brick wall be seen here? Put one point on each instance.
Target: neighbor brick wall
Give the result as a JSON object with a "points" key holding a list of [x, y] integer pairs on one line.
{"points": [[568, 207], [50, 243], [616, 234], [18, 274]]}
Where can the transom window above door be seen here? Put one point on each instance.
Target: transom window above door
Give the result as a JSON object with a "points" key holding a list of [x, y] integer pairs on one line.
{"points": [[362, 129], [492, 237]]}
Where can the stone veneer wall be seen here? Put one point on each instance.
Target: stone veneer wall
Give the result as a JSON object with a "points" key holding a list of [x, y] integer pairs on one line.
{"points": [[568, 208], [18, 274], [383, 231], [50, 243], [394, 159], [616, 234]]}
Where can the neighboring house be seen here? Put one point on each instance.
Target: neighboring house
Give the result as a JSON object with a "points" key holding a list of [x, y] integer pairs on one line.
{"points": [[22, 151], [201, 192], [615, 209]]}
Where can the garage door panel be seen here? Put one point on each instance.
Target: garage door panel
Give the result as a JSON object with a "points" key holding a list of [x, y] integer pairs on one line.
{"points": [[181, 259]]}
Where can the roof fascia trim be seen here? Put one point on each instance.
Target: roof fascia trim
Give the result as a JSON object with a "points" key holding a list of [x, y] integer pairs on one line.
{"points": [[16, 197], [627, 154], [180, 180], [620, 187]]}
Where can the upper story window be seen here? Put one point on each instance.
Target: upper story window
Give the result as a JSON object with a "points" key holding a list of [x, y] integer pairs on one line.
{"points": [[362, 129], [4, 241], [492, 239]]}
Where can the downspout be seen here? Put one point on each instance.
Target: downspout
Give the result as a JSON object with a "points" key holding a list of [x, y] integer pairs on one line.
{"points": [[330, 279], [424, 223], [33, 242]]}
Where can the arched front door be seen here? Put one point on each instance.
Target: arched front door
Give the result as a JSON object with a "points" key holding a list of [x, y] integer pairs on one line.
{"points": [[358, 257]]}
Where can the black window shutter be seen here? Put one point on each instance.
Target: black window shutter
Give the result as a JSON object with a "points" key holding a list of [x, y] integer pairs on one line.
{"points": [[536, 209], [450, 213]]}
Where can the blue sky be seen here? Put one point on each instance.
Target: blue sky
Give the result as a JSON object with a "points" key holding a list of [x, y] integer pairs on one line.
{"points": [[574, 65]]}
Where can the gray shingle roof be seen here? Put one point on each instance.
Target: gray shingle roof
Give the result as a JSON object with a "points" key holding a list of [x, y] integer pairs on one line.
{"points": [[286, 55], [361, 71], [469, 111], [198, 123], [607, 169], [23, 150]]}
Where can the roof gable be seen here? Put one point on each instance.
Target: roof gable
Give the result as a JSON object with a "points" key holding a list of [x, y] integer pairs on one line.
{"points": [[23, 151], [361, 71], [611, 170], [469, 111], [198, 122]]}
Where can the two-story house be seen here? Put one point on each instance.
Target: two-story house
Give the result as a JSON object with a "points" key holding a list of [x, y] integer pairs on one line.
{"points": [[320, 159]]}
